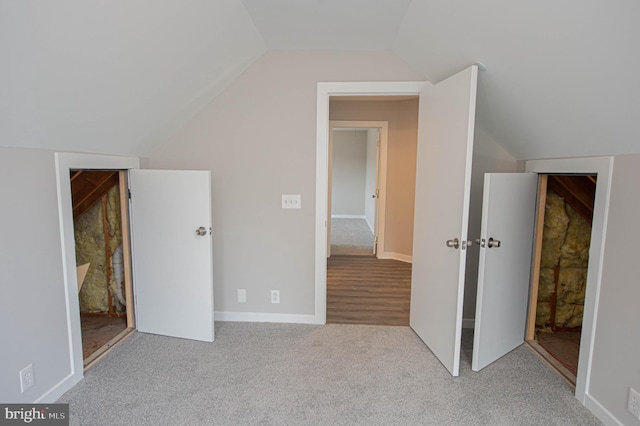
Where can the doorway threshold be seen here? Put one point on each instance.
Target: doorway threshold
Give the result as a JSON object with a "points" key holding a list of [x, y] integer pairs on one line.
{"points": [[92, 359], [555, 365]]}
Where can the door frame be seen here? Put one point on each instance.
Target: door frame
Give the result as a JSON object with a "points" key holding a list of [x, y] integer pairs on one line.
{"points": [[603, 167], [64, 163], [381, 176], [324, 91]]}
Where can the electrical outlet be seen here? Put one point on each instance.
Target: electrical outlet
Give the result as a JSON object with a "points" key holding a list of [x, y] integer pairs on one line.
{"points": [[633, 405], [291, 201], [26, 378], [242, 295], [275, 296]]}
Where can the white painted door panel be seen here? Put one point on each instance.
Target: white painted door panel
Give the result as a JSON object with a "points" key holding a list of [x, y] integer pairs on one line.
{"points": [[443, 183], [172, 265], [508, 215], [376, 199]]}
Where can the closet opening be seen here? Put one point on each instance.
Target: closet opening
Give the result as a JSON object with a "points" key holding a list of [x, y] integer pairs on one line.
{"points": [[559, 270], [102, 249]]}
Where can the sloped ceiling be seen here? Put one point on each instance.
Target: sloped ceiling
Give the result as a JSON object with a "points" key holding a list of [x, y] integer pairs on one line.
{"points": [[115, 76], [120, 76], [327, 24], [561, 76]]}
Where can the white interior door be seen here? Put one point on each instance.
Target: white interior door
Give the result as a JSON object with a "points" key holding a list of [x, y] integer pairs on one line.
{"points": [[508, 218], [376, 196], [329, 190], [443, 185], [171, 248]]}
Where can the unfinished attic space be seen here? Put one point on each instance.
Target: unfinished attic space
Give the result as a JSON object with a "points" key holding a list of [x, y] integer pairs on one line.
{"points": [[563, 269], [98, 243]]}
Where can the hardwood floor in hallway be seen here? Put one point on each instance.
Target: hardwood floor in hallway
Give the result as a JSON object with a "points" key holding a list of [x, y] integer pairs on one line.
{"points": [[367, 290]]}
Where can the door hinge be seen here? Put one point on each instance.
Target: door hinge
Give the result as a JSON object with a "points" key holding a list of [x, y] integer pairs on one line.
{"points": [[377, 193], [375, 239], [129, 193]]}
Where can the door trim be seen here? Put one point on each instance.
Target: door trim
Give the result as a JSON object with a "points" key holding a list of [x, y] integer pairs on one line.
{"points": [[64, 163], [126, 245], [603, 167], [324, 91], [383, 127], [536, 257]]}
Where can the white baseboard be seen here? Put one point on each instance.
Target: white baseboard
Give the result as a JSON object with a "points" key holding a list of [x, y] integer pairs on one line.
{"points": [[370, 226], [53, 394], [600, 412], [395, 256], [263, 317], [348, 216], [468, 323]]}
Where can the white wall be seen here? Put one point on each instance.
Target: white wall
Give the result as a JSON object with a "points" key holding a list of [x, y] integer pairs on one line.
{"points": [[33, 314], [348, 172], [616, 350], [371, 175], [488, 157], [258, 138], [401, 163]]}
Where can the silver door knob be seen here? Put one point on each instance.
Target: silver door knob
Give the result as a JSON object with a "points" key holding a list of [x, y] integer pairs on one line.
{"points": [[493, 243], [480, 242], [202, 231], [455, 243]]}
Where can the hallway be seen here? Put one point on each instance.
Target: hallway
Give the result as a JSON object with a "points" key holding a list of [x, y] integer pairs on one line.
{"points": [[367, 290]]}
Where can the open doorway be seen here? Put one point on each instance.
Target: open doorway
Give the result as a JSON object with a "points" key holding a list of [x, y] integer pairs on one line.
{"points": [[560, 268], [101, 234], [370, 199], [356, 187]]}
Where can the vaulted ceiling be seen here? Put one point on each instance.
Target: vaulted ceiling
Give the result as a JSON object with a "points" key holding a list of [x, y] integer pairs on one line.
{"points": [[120, 76]]}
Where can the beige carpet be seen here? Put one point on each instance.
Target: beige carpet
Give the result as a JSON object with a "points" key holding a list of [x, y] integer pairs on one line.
{"points": [[351, 237]]}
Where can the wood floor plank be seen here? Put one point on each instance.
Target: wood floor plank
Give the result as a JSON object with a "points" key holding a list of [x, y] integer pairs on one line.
{"points": [[367, 290]]}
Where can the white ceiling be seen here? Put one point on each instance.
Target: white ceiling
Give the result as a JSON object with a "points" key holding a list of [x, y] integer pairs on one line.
{"points": [[561, 76], [327, 24], [115, 76], [119, 76]]}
